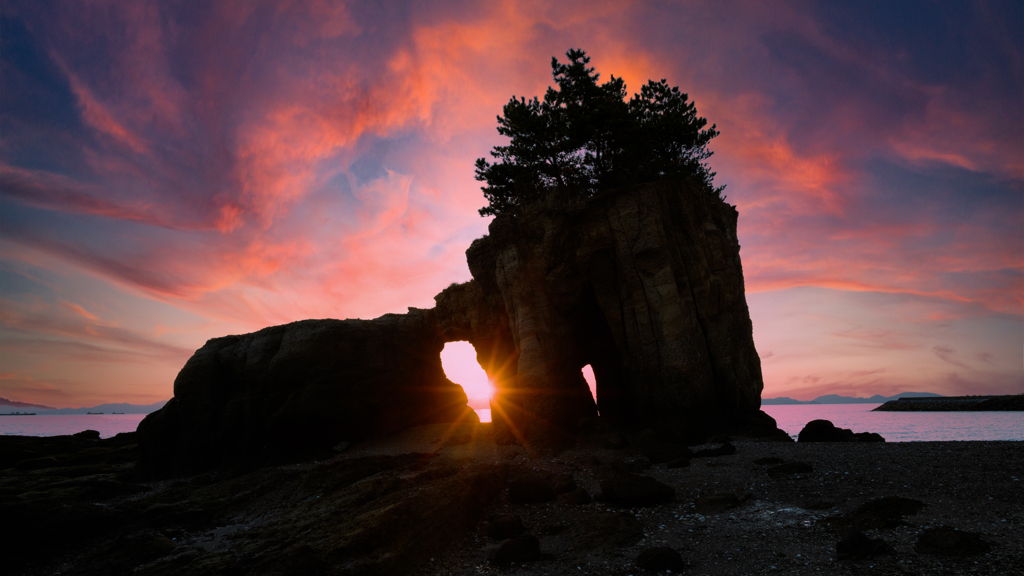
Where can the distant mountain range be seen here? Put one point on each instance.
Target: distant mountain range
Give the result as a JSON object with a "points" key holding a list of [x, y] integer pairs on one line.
{"points": [[837, 399], [123, 408], [16, 404]]}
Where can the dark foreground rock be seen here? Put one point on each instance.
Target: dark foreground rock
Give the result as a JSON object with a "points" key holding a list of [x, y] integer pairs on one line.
{"points": [[887, 512], [522, 548], [660, 559], [504, 526], [856, 545], [825, 431], [719, 502], [789, 468], [635, 490], [530, 488], [606, 530], [948, 541], [417, 504]]}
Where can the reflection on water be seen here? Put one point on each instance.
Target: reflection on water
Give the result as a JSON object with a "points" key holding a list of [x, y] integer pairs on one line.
{"points": [[61, 424], [903, 426]]}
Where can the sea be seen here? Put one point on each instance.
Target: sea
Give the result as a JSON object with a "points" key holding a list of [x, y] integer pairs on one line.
{"points": [[893, 426]]}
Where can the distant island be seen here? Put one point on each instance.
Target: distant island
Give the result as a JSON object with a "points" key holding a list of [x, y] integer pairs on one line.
{"points": [[1008, 403], [121, 408], [837, 399]]}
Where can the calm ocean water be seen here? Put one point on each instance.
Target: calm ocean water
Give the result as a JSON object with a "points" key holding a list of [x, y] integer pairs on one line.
{"points": [[107, 424], [903, 426], [893, 426]]}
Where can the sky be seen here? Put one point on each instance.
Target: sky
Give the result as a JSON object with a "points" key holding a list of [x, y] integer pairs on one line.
{"points": [[172, 172]]}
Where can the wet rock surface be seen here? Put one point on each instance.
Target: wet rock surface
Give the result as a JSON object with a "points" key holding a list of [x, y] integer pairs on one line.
{"points": [[415, 504]]}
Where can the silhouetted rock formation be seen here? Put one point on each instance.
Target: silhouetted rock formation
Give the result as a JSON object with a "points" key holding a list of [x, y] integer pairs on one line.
{"points": [[643, 284], [299, 389], [826, 431]]}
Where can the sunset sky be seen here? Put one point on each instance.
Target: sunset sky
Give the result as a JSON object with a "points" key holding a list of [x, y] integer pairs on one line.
{"points": [[176, 171]]}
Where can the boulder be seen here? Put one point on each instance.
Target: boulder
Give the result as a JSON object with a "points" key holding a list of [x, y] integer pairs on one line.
{"points": [[635, 490], [825, 431], [522, 548], [948, 541], [720, 502], [885, 512], [726, 449], [789, 469], [530, 488], [660, 559], [663, 452], [856, 545], [606, 530], [562, 483], [578, 497], [296, 390], [504, 526]]}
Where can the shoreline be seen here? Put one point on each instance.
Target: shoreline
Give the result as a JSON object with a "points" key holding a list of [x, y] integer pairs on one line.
{"points": [[369, 507], [902, 427]]}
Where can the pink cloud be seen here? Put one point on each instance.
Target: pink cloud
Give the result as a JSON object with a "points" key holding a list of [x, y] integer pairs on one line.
{"points": [[254, 163]]}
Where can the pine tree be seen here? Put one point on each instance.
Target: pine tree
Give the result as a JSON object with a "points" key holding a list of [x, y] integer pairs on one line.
{"points": [[584, 137]]}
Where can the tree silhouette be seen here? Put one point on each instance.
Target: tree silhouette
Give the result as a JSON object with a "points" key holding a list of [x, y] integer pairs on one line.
{"points": [[585, 137]]}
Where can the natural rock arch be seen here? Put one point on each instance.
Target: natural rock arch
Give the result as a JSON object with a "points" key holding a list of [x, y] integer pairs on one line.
{"points": [[644, 284]]}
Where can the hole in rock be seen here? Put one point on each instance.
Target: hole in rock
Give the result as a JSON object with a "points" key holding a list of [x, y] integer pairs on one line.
{"points": [[460, 366], [588, 375]]}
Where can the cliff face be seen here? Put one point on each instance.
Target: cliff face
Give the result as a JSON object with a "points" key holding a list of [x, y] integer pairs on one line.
{"points": [[299, 389], [643, 284], [646, 286]]}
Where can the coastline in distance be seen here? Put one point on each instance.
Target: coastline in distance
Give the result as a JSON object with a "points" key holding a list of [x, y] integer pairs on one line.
{"points": [[837, 399]]}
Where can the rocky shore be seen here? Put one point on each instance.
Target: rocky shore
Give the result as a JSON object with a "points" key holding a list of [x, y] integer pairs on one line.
{"points": [[443, 499]]}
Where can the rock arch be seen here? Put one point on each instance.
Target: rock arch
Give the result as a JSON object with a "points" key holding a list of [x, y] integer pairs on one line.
{"points": [[644, 284]]}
